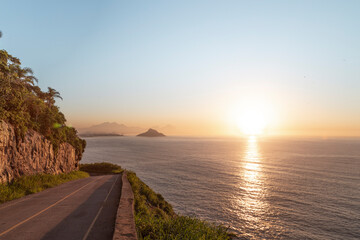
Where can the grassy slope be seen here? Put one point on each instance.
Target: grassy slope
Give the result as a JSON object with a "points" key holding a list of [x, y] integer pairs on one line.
{"points": [[155, 218], [32, 184]]}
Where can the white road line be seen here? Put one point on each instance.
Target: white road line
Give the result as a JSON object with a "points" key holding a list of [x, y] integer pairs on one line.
{"points": [[98, 213]]}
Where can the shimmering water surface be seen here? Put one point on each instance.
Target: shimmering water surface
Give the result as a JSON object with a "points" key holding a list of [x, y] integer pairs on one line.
{"points": [[261, 188]]}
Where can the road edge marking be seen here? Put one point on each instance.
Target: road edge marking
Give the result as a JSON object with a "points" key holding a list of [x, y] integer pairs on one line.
{"points": [[98, 213], [37, 214]]}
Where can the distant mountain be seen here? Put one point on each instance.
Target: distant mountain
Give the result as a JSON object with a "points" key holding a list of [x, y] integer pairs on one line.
{"points": [[151, 133], [100, 135], [110, 128]]}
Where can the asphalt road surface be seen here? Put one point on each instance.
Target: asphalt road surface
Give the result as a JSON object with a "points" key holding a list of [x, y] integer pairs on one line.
{"points": [[81, 209]]}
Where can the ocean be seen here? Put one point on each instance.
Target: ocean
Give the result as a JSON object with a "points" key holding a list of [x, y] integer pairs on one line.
{"points": [[262, 188]]}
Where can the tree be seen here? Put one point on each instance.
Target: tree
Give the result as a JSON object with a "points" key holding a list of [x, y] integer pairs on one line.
{"points": [[24, 105], [51, 95]]}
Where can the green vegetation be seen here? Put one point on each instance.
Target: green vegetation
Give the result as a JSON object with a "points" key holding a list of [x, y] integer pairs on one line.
{"points": [[26, 106], [101, 168], [155, 218], [32, 184]]}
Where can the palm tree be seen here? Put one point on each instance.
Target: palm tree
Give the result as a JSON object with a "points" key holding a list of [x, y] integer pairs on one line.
{"points": [[50, 96], [23, 76], [26, 76]]}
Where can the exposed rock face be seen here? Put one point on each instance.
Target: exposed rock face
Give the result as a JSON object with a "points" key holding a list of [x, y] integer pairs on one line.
{"points": [[151, 133], [34, 154]]}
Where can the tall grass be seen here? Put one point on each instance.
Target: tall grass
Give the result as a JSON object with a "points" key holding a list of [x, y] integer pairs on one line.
{"points": [[155, 218], [32, 184]]}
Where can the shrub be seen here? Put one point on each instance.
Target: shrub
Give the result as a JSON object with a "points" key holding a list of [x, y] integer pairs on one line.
{"points": [[101, 168]]}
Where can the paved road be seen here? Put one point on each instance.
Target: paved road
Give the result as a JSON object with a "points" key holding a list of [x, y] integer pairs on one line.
{"points": [[81, 209]]}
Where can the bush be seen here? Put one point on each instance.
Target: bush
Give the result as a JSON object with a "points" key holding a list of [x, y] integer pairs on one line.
{"points": [[101, 168]]}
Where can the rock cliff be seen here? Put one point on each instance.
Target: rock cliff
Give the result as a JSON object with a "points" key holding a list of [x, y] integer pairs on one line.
{"points": [[33, 154]]}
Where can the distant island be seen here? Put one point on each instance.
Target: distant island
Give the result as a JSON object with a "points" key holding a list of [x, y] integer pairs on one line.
{"points": [[110, 128], [151, 133], [101, 135]]}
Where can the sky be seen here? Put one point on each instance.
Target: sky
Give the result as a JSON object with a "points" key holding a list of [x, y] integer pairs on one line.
{"points": [[194, 64]]}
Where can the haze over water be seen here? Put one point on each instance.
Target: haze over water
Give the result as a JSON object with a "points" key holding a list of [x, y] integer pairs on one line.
{"points": [[261, 188]]}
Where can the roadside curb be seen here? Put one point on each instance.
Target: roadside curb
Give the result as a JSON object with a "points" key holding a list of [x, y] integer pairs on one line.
{"points": [[125, 220]]}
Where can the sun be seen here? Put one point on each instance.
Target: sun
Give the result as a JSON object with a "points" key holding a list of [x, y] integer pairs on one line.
{"points": [[252, 119], [252, 122]]}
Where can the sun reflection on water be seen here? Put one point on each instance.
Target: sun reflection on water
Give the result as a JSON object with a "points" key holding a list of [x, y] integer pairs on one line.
{"points": [[251, 206]]}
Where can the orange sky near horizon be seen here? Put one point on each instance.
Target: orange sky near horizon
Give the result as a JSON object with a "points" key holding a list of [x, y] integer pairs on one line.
{"points": [[218, 126], [213, 115]]}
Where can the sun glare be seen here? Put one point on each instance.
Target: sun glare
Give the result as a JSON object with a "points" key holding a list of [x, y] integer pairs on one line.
{"points": [[253, 119], [252, 122]]}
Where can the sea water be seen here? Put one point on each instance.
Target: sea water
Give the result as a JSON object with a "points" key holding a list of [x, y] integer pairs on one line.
{"points": [[262, 188]]}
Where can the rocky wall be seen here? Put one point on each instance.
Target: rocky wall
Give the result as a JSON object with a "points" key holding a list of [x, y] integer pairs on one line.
{"points": [[31, 155]]}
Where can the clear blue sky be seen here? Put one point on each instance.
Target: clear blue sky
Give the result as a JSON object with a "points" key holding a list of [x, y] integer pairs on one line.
{"points": [[186, 63]]}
